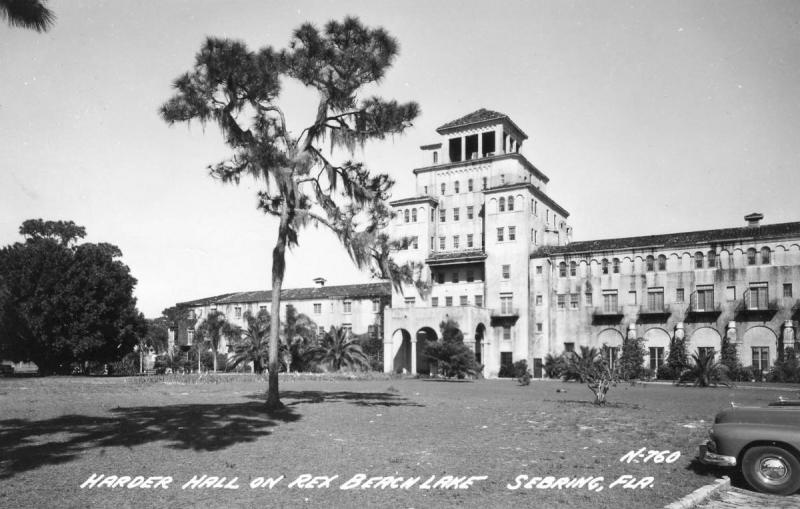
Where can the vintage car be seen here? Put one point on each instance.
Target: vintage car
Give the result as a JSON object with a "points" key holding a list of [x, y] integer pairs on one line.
{"points": [[763, 443]]}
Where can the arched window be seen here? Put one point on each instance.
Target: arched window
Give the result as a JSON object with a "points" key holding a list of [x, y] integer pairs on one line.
{"points": [[711, 259], [413, 215], [443, 187], [604, 266], [698, 260], [751, 256], [405, 215], [662, 262], [562, 269], [765, 255], [502, 204], [510, 203], [573, 269], [456, 187], [650, 263], [615, 265]]}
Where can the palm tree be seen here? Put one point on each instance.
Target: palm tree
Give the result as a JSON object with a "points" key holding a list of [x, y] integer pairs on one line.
{"points": [[299, 332], [592, 367], [213, 329], [32, 14], [705, 372], [238, 90], [338, 350], [251, 344]]}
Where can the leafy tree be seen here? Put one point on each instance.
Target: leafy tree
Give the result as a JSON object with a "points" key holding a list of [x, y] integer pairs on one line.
{"points": [[677, 359], [592, 367], [251, 343], [238, 90], [65, 303], [299, 334], [729, 357], [212, 329], [786, 370], [32, 14], [452, 356], [705, 371], [339, 349], [631, 359]]}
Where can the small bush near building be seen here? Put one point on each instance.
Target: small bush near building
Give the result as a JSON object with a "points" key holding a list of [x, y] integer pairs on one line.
{"points": [[555, 366], [516, 370], [786, 370], [631, 359]]}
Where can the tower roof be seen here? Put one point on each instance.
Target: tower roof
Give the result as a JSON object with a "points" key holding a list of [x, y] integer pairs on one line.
{"points": [[481, 115]]}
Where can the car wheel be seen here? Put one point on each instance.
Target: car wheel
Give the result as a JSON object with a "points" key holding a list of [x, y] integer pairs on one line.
{"points": [[771, 469]]}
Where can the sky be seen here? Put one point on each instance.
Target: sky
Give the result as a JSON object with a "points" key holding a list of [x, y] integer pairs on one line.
{"points": [[648, 117]]}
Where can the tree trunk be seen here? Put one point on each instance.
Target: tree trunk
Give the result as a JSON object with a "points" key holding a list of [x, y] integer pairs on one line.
{"points": [[278, 269], [214, 353]]}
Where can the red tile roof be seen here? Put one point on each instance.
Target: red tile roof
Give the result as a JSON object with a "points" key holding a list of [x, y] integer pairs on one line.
{"points": [[358, 291], [480, 115]]}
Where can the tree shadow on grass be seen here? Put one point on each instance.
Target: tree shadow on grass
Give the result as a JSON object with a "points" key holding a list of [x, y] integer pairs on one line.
{"points": [[369, 399], [28, 444], [608, 404]]}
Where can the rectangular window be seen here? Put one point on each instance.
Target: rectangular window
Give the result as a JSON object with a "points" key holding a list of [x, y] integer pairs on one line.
{"points": [[469, 185], [456, 214], [372, 331], [470, 275], [506, 359], [506, 271], [441, 243], [512, 233], [469, 240], [730, 293], [483, 184], [787, 290], [410, 301], [655, 299], [347, 328], [433, 214], [610, 301], [237, 312], [455, 241], [500, 235], [539, 300], [632, 298], [759, 293], [376, 305], [761, 358], [470, 212], [462, 300], [456, 187], [435, 302], [573, 269], [587, 297], [262, 308], [656, 357], [454, 277], [317, 308], [442, 215], [414, 242], [448, 301], [704, 300], [506, 303], [562, 301], [506, 333], [425, 191], [569, 347], [444, 188], [613, 356], [348, 306], [189, 336], [440, 277], [679, 295], [539, 269], [538, 326], [573, 301], [479, 301]]}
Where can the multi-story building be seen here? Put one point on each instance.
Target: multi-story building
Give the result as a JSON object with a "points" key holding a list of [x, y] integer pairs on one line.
{"points": [[357, 308], [480, 210], [741, 283], [499, 261]]}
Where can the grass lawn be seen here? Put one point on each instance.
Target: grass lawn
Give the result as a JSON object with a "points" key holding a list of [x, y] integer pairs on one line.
{"points": [[57, 432]]}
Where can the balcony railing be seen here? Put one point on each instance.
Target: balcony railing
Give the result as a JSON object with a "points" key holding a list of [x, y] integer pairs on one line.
{"points": [[756, 305], [609, 311], [703, 304], [662, 310], [504, 312]]}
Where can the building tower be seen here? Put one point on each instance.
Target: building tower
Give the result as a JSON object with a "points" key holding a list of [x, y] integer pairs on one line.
{"points": [[479, 211]]}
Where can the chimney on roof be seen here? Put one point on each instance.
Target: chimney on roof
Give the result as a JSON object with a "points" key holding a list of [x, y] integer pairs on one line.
{"points": [[754, 219], [319, 281]]}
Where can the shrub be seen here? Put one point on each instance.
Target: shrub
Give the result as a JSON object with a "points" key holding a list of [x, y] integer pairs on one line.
{"points": [[705, 371], [786, 370], [555, 366], [677, 359], [452, 357], [665, 372], [631, 359]]}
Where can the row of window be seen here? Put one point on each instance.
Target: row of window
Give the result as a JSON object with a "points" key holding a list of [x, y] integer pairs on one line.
{"points": [[471, 275], [456, 214], [456, 242], [512, 233], [756, 298], [457, 186], [709, 260]]}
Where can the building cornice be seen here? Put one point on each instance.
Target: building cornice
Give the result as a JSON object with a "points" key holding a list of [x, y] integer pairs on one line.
{"points": [[483, 160]]}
